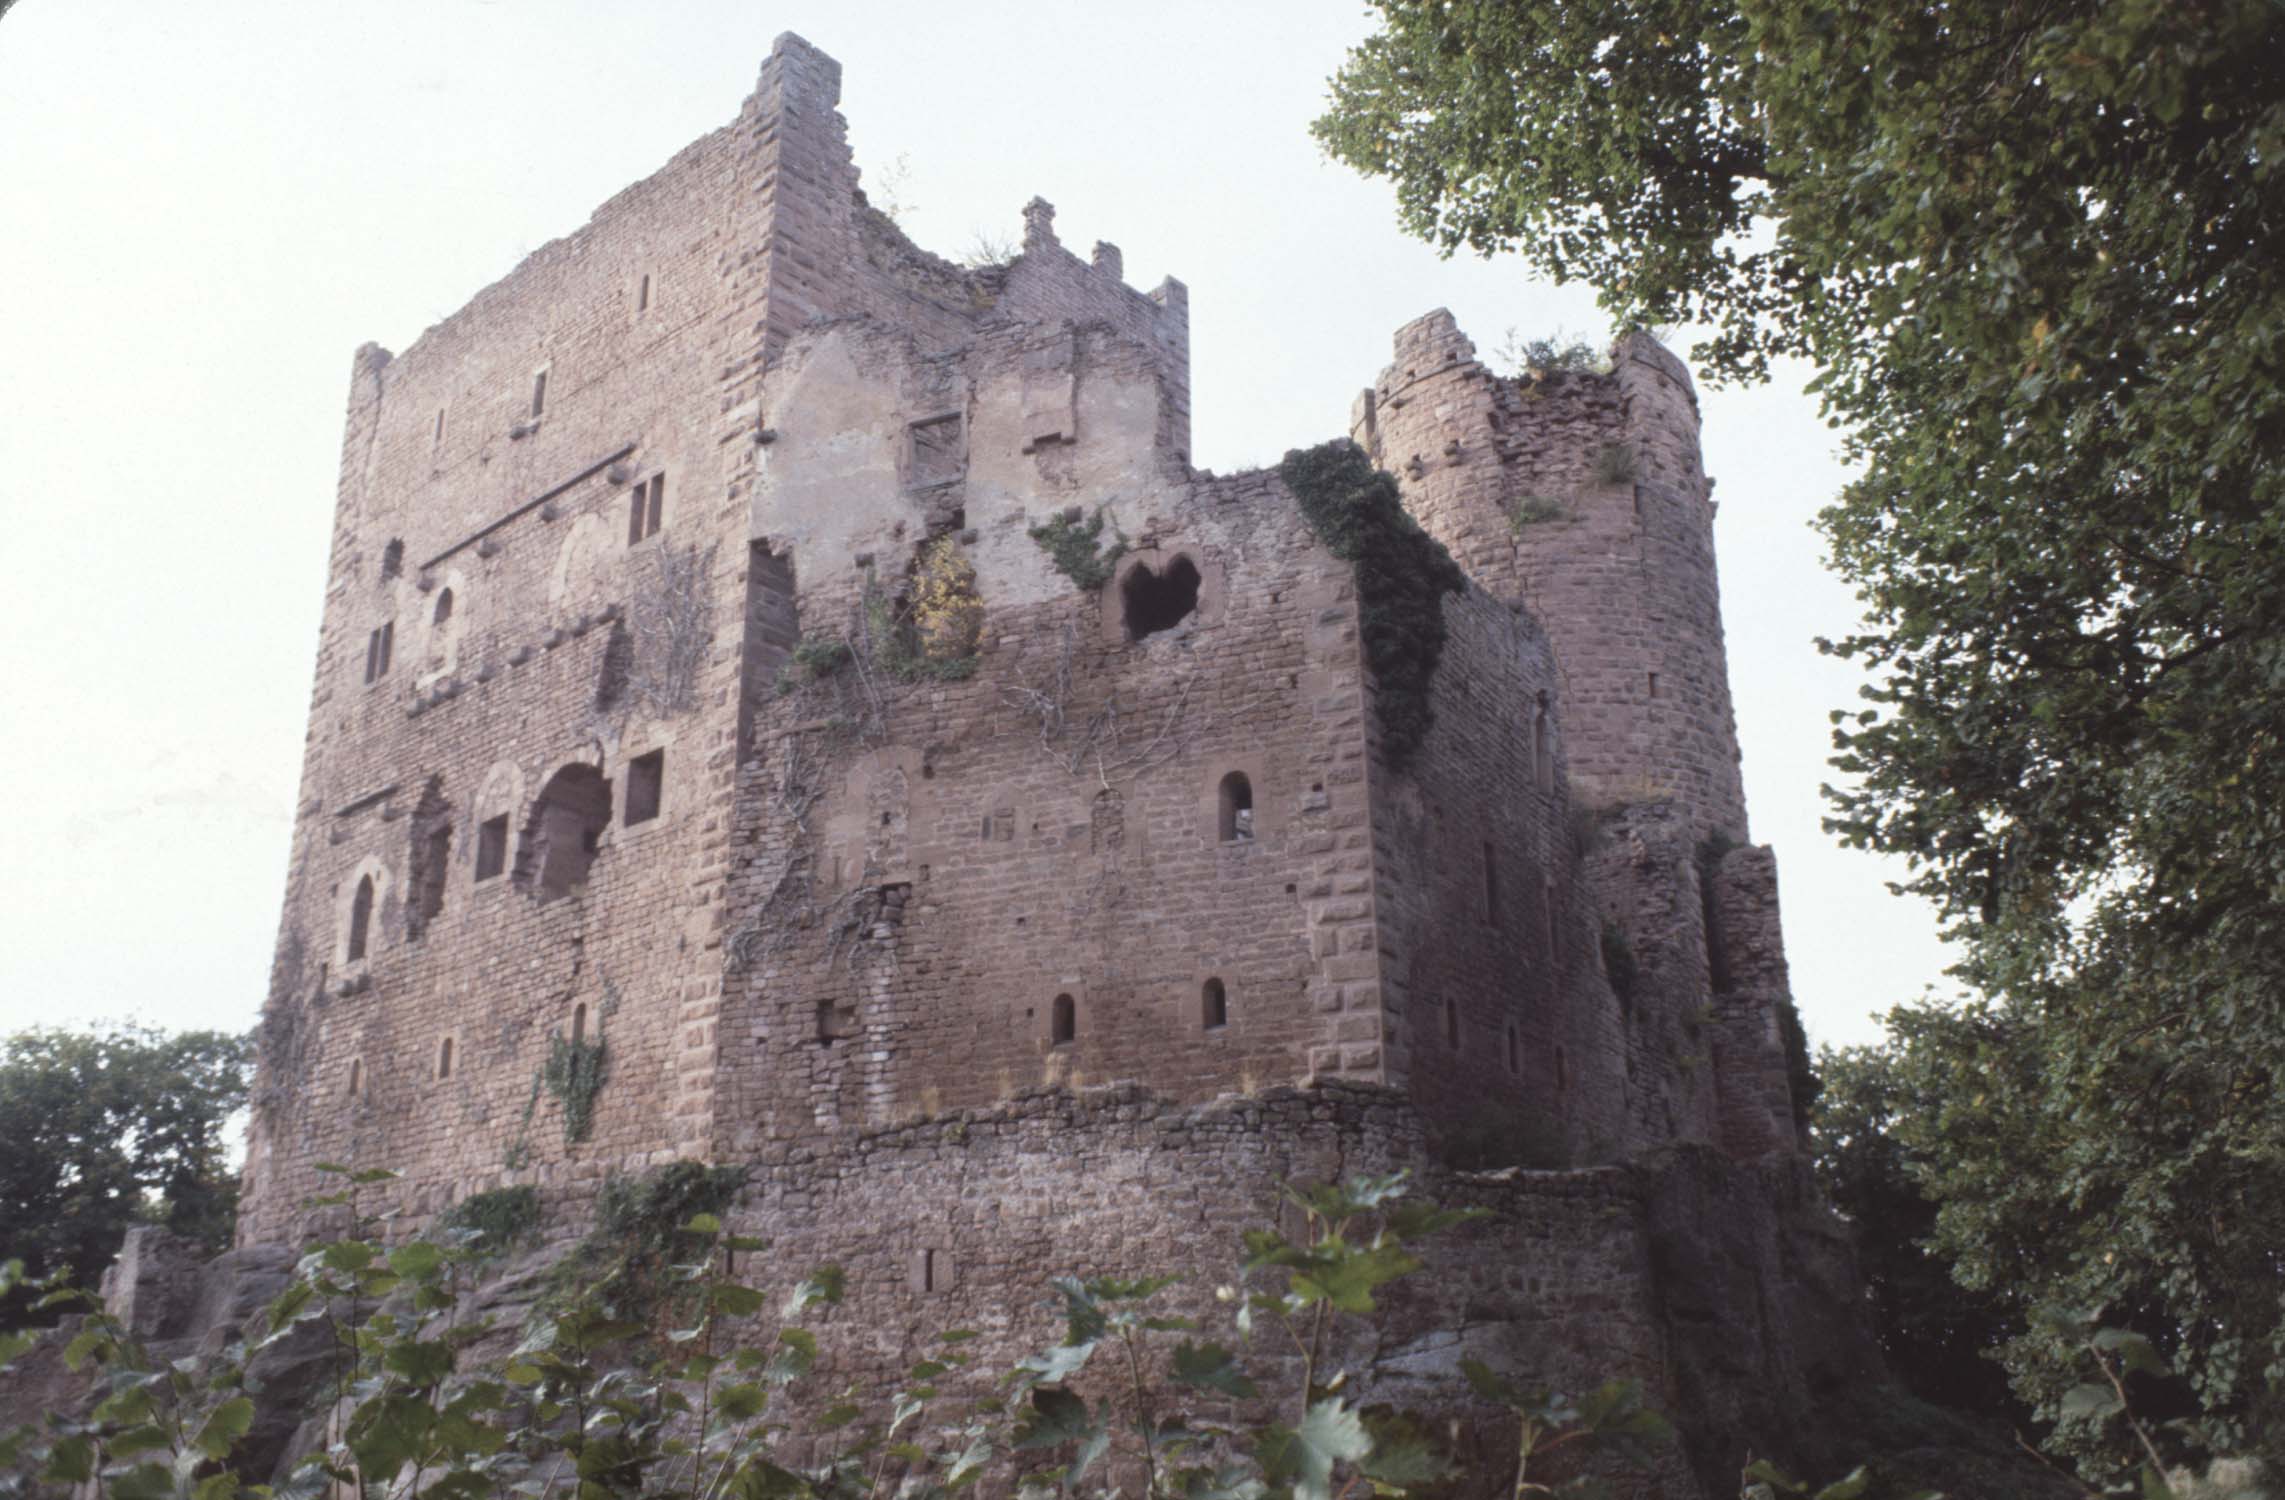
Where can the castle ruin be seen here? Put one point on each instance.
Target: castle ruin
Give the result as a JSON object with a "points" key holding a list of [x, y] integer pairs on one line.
{"points": [[794, 696]]}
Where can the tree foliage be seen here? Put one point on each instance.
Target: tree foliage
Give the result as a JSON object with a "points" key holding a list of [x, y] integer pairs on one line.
{"points": [[2037, 250], [101, 1130]]}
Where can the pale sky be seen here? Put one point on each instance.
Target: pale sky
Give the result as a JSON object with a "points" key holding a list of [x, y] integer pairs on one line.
{"points": [[204, 209]]}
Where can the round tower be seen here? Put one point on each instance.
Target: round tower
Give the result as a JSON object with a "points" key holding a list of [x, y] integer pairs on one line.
{"points": [[1581, 497]]}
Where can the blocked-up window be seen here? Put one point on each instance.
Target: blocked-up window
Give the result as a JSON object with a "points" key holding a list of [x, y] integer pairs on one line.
{"points": [[492, 847], [646, 507], [646, 786], [379, 646], [360, 917], [936, 455], [1235, 816]]}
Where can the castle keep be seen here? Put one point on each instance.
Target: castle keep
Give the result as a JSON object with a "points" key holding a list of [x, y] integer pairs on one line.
{"points": [[785, 699]]}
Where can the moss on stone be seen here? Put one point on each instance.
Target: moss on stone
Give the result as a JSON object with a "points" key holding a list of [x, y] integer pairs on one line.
{"points": [[1403, 574]]}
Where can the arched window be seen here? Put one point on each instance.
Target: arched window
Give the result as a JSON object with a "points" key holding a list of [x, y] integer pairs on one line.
{"points": [[1213, 1005], [360, 917], [579, 1024], [1063, 1022], [1236, 817], [444, 1059], [566, 829]]}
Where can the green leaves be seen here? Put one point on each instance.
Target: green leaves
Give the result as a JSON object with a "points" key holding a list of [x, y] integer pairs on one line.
{"points": [[1304, 1456], [1210, 1367]]}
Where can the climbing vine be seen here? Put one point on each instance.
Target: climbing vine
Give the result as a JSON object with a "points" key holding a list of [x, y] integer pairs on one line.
{"points": [[1076, 548], [574, 1074], [1403, 574]]}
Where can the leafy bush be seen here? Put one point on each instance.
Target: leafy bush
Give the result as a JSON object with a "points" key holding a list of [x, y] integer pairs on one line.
{"points": [[1530, 510], [574, 1073], [813, 659], [1147, 1402], [493, 1221]]}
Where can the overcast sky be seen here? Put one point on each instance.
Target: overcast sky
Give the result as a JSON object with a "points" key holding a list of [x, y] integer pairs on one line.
{"points": [[205, 208]]}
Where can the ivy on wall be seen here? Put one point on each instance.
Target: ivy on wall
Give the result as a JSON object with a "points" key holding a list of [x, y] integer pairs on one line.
{"points": [[1403, 574]]}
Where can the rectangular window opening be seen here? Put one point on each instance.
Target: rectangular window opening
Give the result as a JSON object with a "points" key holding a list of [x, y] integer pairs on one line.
{"points": [[440, 427], [643, 294], [378, 647], [492, 847], [646, 783], [646, 508], [539, 392]]}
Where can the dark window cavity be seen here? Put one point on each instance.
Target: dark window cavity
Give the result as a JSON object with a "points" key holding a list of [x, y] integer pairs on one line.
{"points": [[1154, 601], [579, 1024], [646, 782], [1063, 1021], [360, 917], [378, 648], [1235, 817], [1214, 1005], [539, 392], [444, 1059], [492, 847], [643, 294], [392, 560], [356, 1077], [1543, 746]]}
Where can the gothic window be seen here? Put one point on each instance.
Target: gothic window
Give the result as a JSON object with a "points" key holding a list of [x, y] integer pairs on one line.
{"points": [[360, 917]]}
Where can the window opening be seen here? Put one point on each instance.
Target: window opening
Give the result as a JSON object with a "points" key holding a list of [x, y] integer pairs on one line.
{"points": [[646, 507], [392, 560], [566, 829], [443, 608], [1654, 684], [439, 439], [928, 1270], [444, 1059], [1214, 1005], [1491, 886], [492, 847], [1562, 1070], [1063, 1022], [436, 854], [935, 451], [1451, 1023], [539, 391], [356, 1077], [646, 783], [360, 917], [1514, 1051], [378, 647], [643, 294], [1154, 601], [1542, 746], [835, 1020], [579, 1024], [1236, 816]]}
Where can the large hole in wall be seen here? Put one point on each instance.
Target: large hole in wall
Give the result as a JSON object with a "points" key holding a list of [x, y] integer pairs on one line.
{"points": [[566, 828], [1152, 601]]}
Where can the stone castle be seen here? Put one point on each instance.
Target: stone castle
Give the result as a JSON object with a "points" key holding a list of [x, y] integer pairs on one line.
{"points": [[793, 697]]}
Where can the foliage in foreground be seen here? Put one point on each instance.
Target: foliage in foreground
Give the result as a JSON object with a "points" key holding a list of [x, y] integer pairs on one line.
{"points": [[2033, 250], [1134, 1399], [104, 1130]]}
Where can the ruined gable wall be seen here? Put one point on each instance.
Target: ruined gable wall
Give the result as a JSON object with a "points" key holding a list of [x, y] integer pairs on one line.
{"points": [[550, 655]]}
